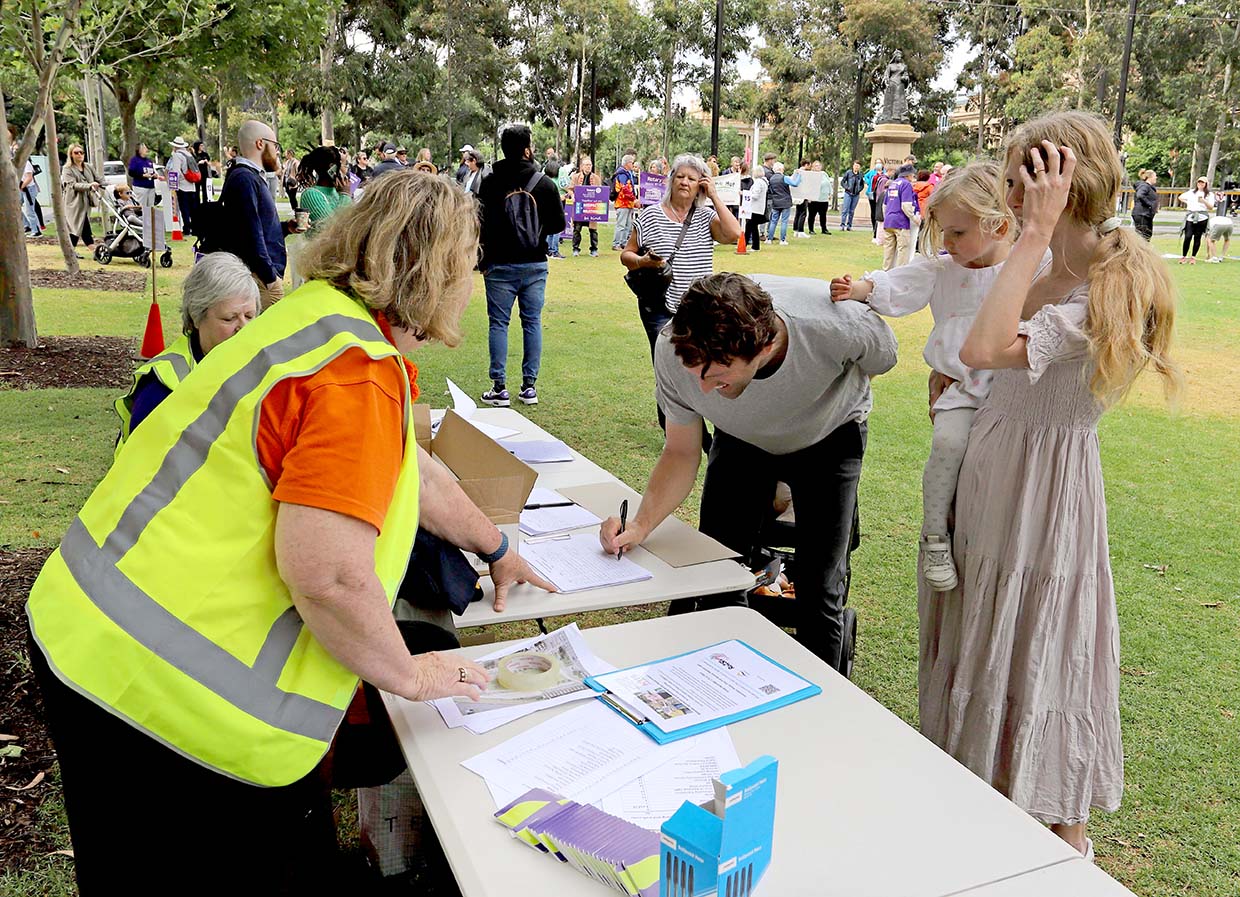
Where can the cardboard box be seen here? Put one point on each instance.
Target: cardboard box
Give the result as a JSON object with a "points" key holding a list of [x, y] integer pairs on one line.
{"points": [[724, 846], [492, 477]]}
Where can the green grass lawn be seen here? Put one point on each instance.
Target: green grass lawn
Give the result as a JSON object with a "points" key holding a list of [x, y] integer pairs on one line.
{"points": [[1172, 483]]}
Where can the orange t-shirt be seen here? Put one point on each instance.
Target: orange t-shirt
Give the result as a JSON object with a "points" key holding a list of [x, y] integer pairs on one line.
{"points": [[335, 439]]}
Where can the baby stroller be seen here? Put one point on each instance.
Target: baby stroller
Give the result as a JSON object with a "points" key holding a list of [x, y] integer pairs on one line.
{"points": [[124, 236], [774, 562]]}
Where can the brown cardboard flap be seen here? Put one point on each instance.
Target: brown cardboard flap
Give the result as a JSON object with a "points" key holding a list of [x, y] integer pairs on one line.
{"points": [[673, 541], [422, 426], [492, 477]]}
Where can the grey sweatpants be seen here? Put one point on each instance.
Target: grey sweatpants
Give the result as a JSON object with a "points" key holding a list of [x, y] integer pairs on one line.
{"points": [[938, 482]]}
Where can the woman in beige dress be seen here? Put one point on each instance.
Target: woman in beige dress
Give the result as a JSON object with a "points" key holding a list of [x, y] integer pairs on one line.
{"points": [[1019, 665], [78, 182]]}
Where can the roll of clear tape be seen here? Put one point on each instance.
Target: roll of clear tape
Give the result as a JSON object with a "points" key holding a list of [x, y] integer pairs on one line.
{"points": [[528, 671]]}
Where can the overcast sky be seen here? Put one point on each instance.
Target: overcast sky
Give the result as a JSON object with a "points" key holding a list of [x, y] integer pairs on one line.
{"points": [[749, 69]]}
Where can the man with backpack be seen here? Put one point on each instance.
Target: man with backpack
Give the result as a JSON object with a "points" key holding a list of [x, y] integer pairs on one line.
{"points": [[183, 164], [520, 207]]}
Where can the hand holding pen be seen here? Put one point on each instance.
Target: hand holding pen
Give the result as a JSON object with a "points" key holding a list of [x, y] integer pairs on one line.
{"points": [[619, 534]]}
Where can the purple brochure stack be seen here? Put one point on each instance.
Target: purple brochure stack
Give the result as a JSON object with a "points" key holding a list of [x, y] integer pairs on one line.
{"points": [[623, 856]]}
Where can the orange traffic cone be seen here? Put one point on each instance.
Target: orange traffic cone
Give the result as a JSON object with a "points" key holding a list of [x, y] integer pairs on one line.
{"points": [[176, 226], [740, 245], [153, 338]]}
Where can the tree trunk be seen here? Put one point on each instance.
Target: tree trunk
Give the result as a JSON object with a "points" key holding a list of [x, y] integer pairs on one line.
{"points": [[581, 93], [96, 144], [856, 124], [1080, 55], [669, 61], [447, 78], [327, 58], [58, 197], [1223, 112], [1199, 122], [200, 114], [222, 124], [127, 100], [16, 300]]}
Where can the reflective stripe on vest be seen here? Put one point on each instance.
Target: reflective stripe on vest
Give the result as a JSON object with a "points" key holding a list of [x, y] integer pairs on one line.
{"points": [[163, 603], [170, 367]]}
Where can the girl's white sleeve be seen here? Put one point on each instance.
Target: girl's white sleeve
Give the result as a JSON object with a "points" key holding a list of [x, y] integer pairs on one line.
{"points": [[906, 289]]}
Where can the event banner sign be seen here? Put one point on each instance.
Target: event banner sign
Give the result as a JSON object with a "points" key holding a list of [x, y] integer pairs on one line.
{"points": [[568, 221], [651, 188], [728, 186], [590, 203], [810, 186]]}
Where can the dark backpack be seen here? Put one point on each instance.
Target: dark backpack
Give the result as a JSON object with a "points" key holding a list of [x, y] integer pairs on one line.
{"points": [[615, 191], [209, 219], [522, 211]]}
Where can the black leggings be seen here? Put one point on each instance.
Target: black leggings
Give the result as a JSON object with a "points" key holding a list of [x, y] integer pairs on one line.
{"points": [[753, 234], [85, 236], [1193, 230], [874, 218], [818, 210]]}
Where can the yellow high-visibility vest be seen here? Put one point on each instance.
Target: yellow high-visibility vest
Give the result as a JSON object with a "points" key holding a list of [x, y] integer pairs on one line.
{"points": [[164, 604], [170, 367]]}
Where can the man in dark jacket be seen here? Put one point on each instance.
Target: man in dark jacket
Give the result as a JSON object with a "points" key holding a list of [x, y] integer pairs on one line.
{"points": [[249, 226], [512, 268], [387, 154], [853, 183]]}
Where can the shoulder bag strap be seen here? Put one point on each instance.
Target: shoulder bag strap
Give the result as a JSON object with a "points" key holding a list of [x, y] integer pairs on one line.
{"points": [[684, 229]]}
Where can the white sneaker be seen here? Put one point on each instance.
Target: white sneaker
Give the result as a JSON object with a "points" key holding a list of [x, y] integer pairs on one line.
{"points": [[937, 567], [783, 242], [802, 236], [1089, 851]]}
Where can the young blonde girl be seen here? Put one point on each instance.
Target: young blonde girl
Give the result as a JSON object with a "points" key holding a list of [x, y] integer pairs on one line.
{"points": [[967, 235], [1019, 665]]}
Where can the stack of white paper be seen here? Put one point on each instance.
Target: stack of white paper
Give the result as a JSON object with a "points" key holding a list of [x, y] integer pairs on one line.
{"points": [[537, 451], [576, 562], [556, 514], [465, 407], [592, 755]]}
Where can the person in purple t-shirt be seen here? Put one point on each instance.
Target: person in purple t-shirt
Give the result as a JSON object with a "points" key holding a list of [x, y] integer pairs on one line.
{"points": [[900, 213], [142, 174]]}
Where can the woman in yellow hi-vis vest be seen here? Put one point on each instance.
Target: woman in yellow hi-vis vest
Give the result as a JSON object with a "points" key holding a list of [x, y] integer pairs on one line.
{"points": [[201, 631], [218, 298]]}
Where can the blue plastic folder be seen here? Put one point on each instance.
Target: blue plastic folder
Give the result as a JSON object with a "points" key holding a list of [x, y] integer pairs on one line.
{"points": [[651, 726]]}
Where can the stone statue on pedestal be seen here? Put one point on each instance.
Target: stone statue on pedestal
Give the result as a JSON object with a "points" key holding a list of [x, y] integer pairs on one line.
{"points": [[895, 91]]}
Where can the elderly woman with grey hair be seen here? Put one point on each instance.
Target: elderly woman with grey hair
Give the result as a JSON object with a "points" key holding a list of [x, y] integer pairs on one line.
{"points": [[218, 299], [680, 232]]}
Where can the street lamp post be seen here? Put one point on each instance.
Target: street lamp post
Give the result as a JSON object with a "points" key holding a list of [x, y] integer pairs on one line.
{"points": [[715, 97]]}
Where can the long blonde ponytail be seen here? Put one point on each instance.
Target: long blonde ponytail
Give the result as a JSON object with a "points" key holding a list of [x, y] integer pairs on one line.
{"points": [[1131, 310]]}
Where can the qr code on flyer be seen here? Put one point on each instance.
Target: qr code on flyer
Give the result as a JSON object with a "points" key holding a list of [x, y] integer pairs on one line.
{"points": [[770, 689]]}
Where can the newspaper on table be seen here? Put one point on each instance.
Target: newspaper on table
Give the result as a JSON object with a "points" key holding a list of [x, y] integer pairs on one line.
{"points": [[500, 705]]}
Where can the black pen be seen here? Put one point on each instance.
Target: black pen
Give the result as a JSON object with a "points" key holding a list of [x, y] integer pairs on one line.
{"points": [[550, 504], [624, 518]]}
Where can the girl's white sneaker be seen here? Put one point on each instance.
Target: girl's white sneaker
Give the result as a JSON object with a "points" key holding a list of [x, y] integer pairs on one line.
{"points": [[937, 566]]}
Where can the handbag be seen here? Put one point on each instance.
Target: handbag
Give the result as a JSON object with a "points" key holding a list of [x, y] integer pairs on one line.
{"points": [[650, 285]]}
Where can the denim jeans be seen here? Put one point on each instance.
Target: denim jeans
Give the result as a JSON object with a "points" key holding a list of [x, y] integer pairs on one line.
{"points": [[553, 243], [848, 209], [29, 214], [526, 284], [624, 225], [780, 217]]}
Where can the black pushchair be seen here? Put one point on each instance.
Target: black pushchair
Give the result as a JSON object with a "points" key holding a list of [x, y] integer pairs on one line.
{"points": [[774, 561], [124, 236]]}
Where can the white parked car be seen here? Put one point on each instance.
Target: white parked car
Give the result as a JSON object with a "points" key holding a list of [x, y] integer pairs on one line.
{"points": [[114, 173]]}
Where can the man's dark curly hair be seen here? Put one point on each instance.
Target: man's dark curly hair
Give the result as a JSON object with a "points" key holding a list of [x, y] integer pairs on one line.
{"points": [[721, 318]]}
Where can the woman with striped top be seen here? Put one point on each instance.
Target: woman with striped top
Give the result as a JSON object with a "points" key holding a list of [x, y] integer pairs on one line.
{"points": [[656, 229]]}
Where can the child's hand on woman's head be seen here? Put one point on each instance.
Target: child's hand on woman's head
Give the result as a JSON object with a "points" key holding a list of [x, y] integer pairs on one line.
{"points": [[1046, 186]]}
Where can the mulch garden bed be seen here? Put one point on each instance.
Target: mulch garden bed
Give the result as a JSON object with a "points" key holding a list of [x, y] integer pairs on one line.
{"points": [[87, 279], [69, 361], [26, 755]]}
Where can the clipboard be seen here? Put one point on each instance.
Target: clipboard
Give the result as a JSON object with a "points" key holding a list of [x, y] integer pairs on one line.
{"points": [[651, 727]]}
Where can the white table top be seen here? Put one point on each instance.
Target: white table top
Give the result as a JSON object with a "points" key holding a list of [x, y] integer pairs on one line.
{"points": [[526, 602], [1075, 878], [866, 806]]}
